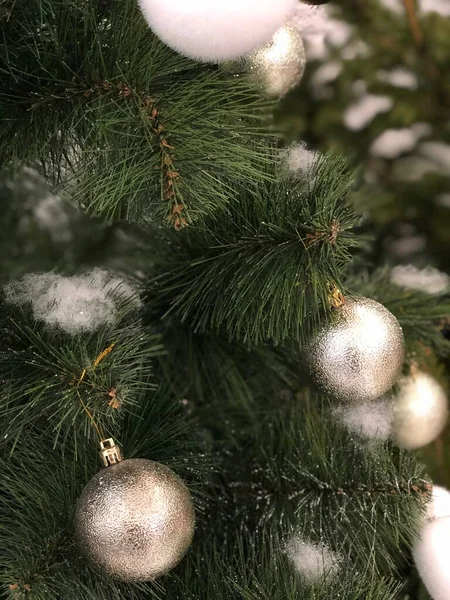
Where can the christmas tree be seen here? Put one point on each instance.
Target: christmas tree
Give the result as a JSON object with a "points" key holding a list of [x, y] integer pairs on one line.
{"points": [[207, 305]]}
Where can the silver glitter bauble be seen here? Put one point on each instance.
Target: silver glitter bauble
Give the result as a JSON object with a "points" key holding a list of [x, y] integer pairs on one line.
{"points": [[278, 66], [135, 520], [420, 411], [357, 355]]}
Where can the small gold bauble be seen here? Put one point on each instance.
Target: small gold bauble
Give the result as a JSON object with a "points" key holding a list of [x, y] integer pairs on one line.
{"points": [[358, 354], [420, 411], [135, 520], [278, 66]]}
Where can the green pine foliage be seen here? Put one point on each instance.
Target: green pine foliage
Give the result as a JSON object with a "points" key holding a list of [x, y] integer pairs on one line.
{"points": [[132, 129], [202, 368]]}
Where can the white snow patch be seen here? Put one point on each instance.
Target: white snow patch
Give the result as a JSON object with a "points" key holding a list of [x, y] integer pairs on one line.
{"points": [[400, 77], [393, 142], [365, 109], [413, 168], [326, 73], [439, 153], [75, 304], [300, 160], [430, 552], [354, 50], [371, 419], [427, 280], [439, 505], [443, 200], [393, 5], [312, 561], [51, 215], [442, 7]]}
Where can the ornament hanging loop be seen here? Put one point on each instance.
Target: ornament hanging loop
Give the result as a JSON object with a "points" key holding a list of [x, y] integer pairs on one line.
{"points": [[110, 453], [335, 296]]}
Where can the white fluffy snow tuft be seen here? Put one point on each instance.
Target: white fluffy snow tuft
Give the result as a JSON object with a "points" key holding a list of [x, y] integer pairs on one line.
{"points": [[393, 142], [51, 215], [371, 419], [430, 553], [300, 160], [399, 77], [439, 505], [312, 561], [75, 304], [365, 109], [427, 280]]}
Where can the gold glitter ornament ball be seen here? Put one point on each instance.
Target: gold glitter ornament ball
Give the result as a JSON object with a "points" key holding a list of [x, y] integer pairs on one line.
{"points": [[277, 67], [358, 354], [135, 520], [420, 411]]}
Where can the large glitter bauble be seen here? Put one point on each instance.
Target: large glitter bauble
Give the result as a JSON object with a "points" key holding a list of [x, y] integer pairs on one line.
{"points": [[358, 354], [135, 520], [217, 30], [420, 411], [277, 67]]}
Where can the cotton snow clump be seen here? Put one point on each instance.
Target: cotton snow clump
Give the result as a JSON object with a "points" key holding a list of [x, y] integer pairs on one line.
{"points": [[372, 419], [400, 77], [365, 109], [312, 561], [393, 142], [430, 552], [431, 547], [427, 280], [75, 304], [439, 505], [300, 160]]}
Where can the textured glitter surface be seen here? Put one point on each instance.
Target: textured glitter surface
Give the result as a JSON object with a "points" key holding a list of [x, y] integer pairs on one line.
{"points": [[135, 520], [277, 67], [359, 353], [420, 411]]}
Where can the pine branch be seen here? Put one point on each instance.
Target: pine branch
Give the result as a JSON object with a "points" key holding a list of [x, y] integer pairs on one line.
{"points": [[266, 275], [116, 117], [305, 471], [67, 381]]}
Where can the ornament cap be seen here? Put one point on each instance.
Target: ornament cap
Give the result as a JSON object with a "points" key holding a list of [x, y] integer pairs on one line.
{"points": [[109, 452], [335, 296]]}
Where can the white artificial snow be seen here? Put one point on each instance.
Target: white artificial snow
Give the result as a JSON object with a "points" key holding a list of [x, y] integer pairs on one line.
{"points": [[371, 419], [214, 31], [427, 280], [312, 561], [413, 168], [408, 246], [399, 77], [51, 215], [443, 200], [430, 552], [393, 5], [75, 304], [354, 50], [324, 75], [439, 153], [393, 142], [300, 160], [365, 109], [442, 7], [439, 505]]}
